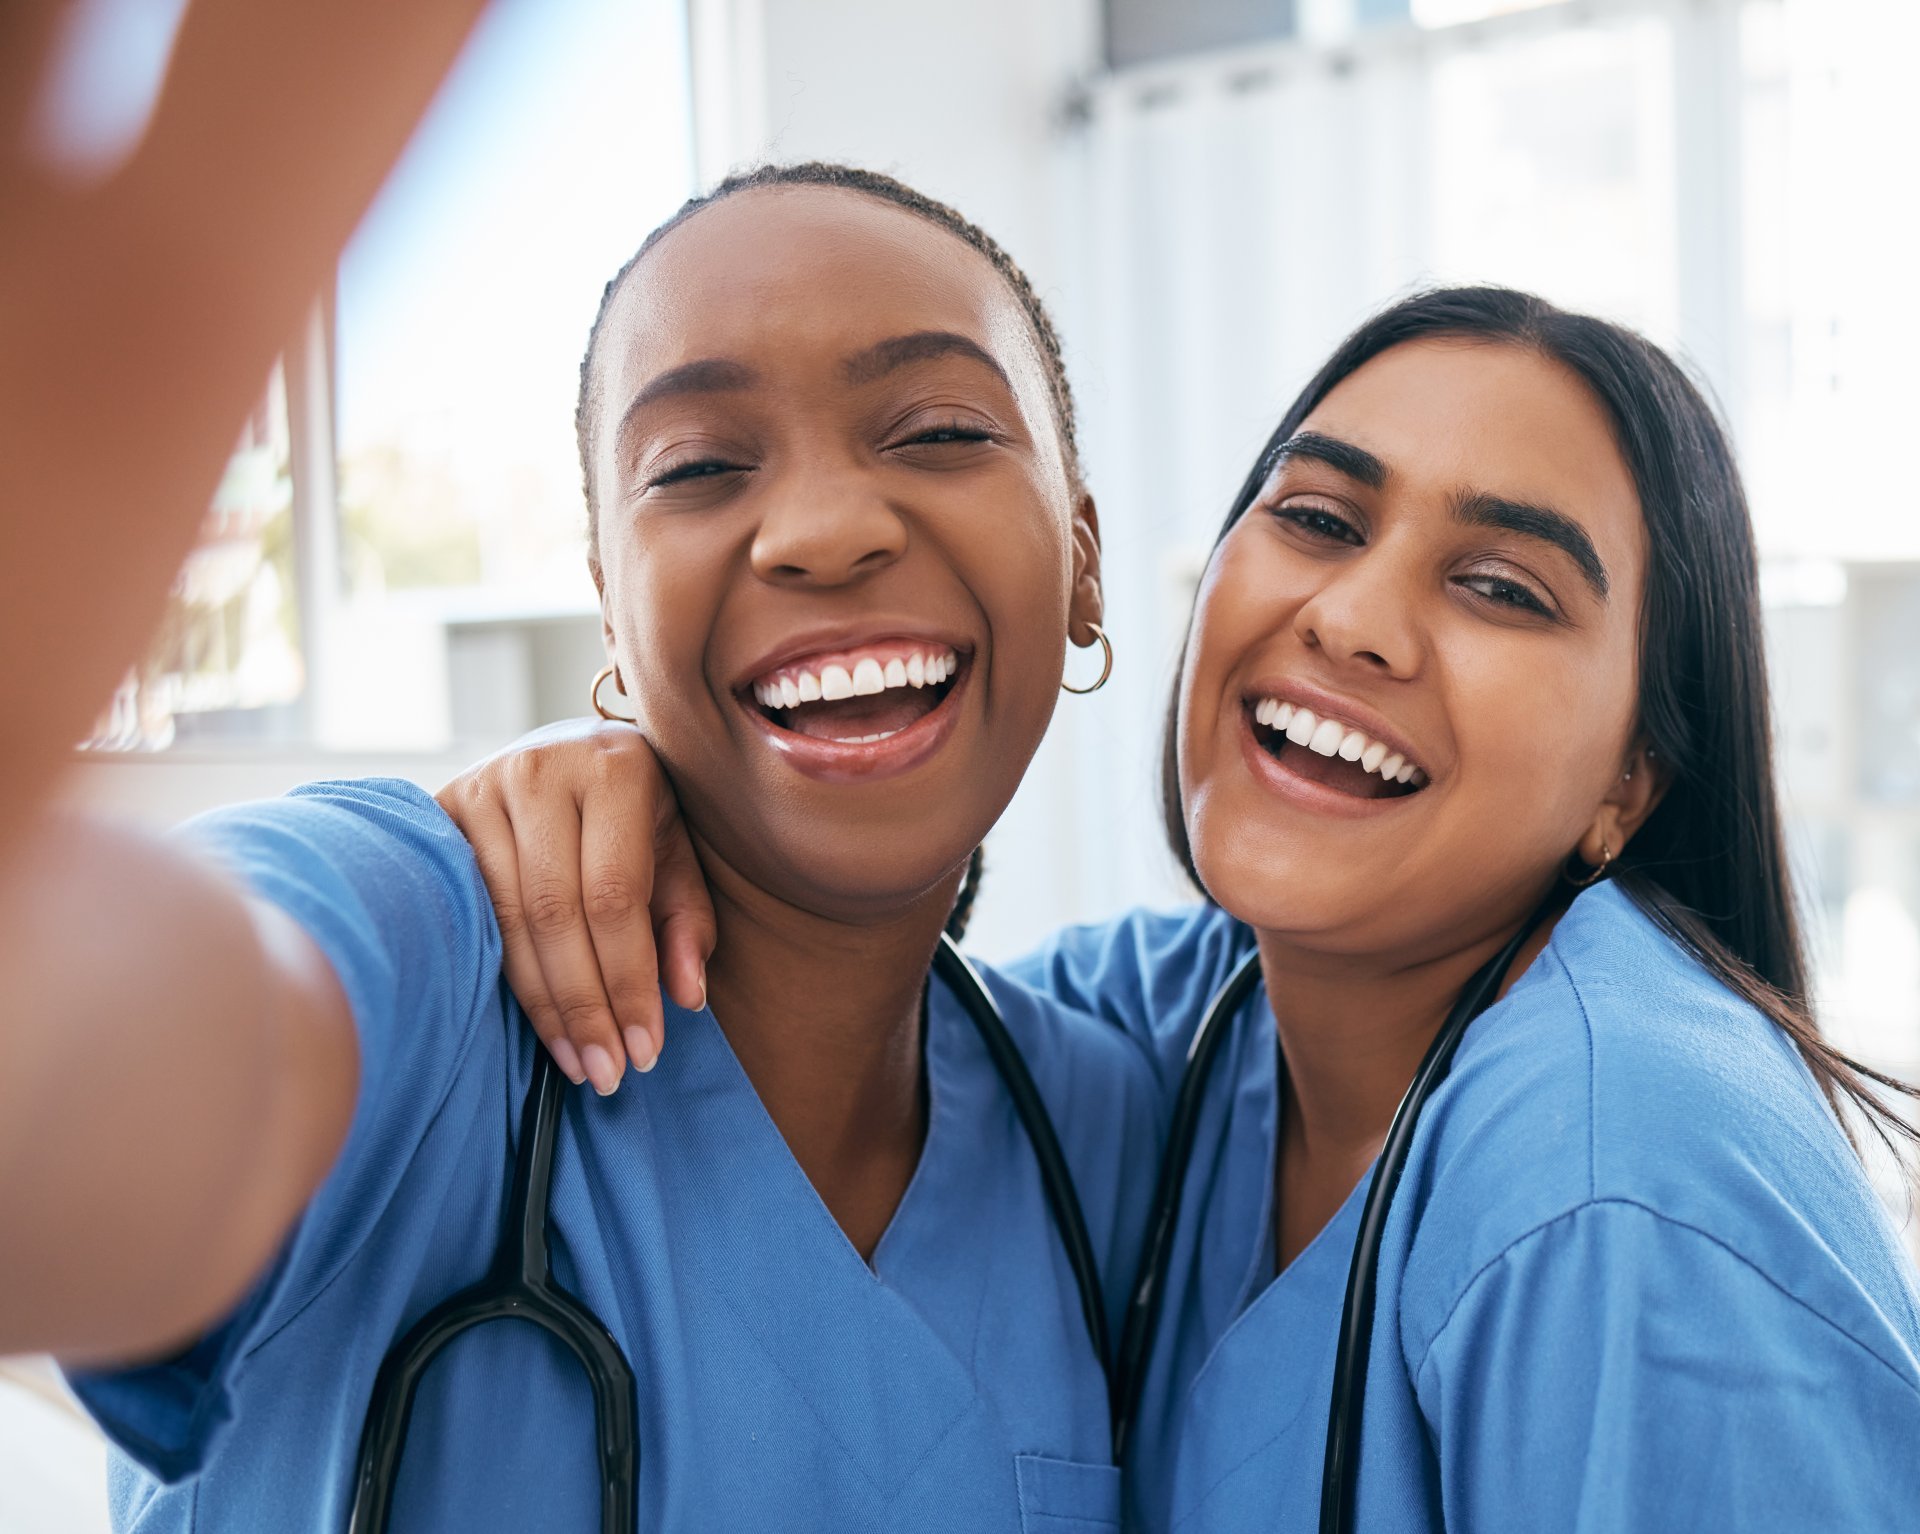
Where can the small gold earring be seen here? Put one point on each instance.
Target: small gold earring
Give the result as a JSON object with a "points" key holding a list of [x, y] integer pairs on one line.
{"points": [[1593, 874], [593, 694], [1106, 668]]}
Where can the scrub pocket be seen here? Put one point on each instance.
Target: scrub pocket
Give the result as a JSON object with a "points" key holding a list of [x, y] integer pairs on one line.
{"points": [[1064, 1496]]}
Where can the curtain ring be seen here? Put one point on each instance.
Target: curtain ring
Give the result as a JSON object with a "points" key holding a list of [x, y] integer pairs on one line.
{"points": [[1106, 668]]}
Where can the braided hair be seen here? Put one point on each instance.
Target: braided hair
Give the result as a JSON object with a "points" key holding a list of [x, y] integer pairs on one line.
{"points": [[867, 183]]}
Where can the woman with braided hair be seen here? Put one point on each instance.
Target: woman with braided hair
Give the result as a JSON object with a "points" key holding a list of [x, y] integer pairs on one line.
{"points": [[842, 546]]}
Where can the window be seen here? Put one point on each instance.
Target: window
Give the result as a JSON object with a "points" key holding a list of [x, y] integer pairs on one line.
{"points": [[437, 592]]}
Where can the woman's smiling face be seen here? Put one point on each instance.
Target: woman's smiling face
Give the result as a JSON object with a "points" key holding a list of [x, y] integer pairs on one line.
{"points": [[839, 541], [1440, 585]]}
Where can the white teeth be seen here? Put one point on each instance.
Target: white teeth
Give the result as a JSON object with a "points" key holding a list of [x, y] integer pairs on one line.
{"points": [[1326, 737], [863, 740], [1329, 737], [867, 676]]}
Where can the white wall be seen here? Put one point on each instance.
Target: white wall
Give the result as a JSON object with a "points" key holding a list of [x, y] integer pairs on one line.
{"points": [[967, 106]]}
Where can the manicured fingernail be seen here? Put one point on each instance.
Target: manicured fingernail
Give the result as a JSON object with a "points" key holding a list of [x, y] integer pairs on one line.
{"points": [[604, 1074], [703, 990], [640, 1049], [568, 1059]]}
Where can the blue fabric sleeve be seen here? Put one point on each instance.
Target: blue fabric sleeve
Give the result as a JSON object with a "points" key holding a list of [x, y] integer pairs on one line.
{"points": [[1150, 973], [1616, 1369], [384, 883]]}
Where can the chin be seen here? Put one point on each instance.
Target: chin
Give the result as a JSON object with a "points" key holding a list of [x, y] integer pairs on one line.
{"points": [[1273, 884], [859, 879]]}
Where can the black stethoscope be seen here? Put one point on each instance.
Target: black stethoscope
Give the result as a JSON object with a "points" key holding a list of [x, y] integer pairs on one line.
{"points": [[520, 1283], [1340, 1472]]}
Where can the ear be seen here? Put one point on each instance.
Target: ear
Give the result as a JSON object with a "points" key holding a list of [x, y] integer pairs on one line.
{"points": [[1085, 605], [607, 640], [1635, 795]]}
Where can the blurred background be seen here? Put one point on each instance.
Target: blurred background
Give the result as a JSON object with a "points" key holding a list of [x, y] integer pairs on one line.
{"points": [[1208, 194]]}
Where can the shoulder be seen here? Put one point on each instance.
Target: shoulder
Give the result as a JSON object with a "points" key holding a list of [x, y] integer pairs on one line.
{"points": [[1147, 972], [348, 823], [1620, 1076], [1072, 1053], [385, 885], [370, 851]]}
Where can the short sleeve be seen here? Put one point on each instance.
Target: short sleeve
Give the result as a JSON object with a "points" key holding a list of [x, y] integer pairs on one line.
{"points": [[1618, 1370], [1150, 973], [387, 888]]}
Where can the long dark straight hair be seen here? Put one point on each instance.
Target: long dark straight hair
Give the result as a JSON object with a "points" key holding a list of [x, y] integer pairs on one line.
{"points": [[1710, 865]]}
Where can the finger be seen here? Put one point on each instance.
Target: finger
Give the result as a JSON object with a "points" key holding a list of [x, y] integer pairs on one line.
{"points": [[682, 916], [547, 843], [483, 821], [616, 859]]}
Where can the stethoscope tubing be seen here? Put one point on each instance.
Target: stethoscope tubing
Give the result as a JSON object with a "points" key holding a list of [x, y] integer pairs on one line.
{"points": [[518, 1287], [520, 1284], [1143, 1306], [1340, 1469]]}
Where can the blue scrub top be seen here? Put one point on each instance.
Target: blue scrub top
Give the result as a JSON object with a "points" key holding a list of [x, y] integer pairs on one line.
{"points": [[782, 1382], [1634, 1277]]}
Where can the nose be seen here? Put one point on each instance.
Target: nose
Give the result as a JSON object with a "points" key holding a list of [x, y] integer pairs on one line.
{"points": [[1366, 613], [826, 529]]}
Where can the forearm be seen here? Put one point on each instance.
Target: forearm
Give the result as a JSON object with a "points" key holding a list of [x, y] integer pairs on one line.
{"points": [[180, 1070], [139, 318]]}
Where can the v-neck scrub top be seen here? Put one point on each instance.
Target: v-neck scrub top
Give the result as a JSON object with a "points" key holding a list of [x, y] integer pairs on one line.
{"points": [[782, 1382], [1633, 1279]]}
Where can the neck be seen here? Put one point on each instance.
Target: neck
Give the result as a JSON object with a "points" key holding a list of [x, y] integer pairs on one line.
{"points": [[824, 1017], [1353, 1030]]}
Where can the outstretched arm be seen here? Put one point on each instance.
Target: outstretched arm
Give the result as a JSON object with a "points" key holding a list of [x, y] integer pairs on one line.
{"points": [[180, 1071], [139, 316]]}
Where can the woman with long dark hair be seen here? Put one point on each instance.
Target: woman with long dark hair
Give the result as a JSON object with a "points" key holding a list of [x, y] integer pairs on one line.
{"points": [[1475, 691], [1478, 655]]}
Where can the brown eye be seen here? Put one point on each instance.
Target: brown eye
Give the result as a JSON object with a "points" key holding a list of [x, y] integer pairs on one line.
{"points": [[1506, 593], [1320, 525], [947, 434], [941, 435], [704, 468]]}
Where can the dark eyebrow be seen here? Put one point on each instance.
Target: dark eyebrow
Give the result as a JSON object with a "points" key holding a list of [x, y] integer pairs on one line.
{"points": [[1354, 462], [708, 375], [898, 351], [1542, 522]]}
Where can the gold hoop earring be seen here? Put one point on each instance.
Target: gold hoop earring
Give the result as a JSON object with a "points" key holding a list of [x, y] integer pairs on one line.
{"points": [[593, 694], [1593, 874], [1106, 667]]}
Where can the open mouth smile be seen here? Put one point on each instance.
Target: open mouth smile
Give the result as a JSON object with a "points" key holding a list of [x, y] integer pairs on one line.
{"points": [[864, 711], [1326, 761]]}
